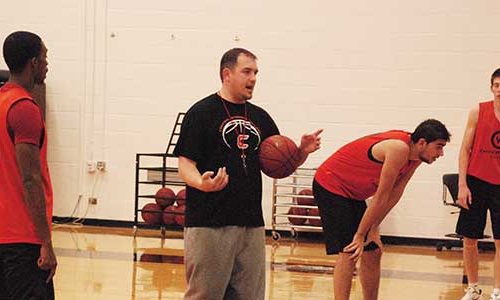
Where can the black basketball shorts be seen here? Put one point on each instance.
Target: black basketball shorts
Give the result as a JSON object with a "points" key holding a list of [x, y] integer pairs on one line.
{"points": [[485, 196], [20, 276], [340, 217]]}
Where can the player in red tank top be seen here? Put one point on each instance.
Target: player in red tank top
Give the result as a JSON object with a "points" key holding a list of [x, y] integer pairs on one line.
{"points": [[377, 166], [479, 186], [27, 258]]}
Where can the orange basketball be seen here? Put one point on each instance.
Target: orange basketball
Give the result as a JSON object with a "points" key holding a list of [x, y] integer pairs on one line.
{"points": [[305, 200], [165, 197], [179, 217], [277, 156], [298, 211], [314, 222], [169, 215], [151, 213], [181, 197]]}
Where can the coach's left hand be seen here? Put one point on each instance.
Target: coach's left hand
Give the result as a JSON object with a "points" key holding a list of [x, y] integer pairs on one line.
{"points": [[311, 142]]}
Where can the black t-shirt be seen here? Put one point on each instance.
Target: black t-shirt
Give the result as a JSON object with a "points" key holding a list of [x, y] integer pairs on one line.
{"points": [[209, 136]]}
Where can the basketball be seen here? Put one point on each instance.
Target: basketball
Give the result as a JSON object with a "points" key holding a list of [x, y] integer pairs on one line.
{"points": [[181, 197], [276, 156], [151, 213], [314, 222], [164, 197], [297, 211], [179, 217], [305, 200], [169, 215]]}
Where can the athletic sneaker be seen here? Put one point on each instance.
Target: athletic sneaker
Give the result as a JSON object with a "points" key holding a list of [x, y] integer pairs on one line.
{"points": [[472, 293], [494, 297]]}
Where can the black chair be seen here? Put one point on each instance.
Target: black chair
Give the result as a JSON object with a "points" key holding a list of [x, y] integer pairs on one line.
{"points": [[450, 188]]}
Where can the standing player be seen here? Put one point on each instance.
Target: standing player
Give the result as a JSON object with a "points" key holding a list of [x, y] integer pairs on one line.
{"points": [[378, 165], [479, 186], [27, 259], [218, 159]]}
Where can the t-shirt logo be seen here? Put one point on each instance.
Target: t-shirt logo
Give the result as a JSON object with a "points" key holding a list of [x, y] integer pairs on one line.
{"points": [[495, 139], [241, 141], [240, 133]]}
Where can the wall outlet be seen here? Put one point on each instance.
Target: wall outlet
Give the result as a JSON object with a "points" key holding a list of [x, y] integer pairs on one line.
{"points": [[91, 166], [101, 166], [93, 200]]}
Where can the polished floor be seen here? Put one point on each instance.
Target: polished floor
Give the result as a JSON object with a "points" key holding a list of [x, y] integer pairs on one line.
{"points": [[108, 264]]}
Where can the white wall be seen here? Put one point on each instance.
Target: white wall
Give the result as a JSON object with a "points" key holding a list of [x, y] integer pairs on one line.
{"points": [[120, 71]]}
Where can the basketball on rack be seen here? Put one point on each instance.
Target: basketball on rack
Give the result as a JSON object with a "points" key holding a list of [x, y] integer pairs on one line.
{"points": [[297, 211], [314, 222], [305, 200], [277, 156], [151, 214], [165, 197], [169, 215], [179, 217], [181, 197]]}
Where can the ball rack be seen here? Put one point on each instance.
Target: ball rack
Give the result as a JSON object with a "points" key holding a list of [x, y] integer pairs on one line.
{"points": [[285, 192]]}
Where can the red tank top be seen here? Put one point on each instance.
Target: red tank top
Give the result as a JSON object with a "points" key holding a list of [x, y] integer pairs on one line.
{"points": [[484, 160], [16, 225], [353, 172]]}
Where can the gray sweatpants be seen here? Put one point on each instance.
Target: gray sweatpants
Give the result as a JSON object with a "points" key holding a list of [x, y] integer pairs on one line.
{"points": [[225, 263]]}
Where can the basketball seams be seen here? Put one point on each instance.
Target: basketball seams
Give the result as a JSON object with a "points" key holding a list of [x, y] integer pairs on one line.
{"points": [[276, 155], [280, 165]]}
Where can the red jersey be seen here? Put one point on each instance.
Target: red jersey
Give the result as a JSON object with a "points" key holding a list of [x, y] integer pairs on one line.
{"points": [[16, 223], [353, 172], [484, 160], [25, 123]]}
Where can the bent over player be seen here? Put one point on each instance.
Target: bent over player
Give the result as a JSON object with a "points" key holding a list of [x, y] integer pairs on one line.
{"points": [[377, 166]]}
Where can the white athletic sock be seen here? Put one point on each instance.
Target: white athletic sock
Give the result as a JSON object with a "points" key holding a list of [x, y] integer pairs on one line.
{"points": [[496, 291], [474, 284]]}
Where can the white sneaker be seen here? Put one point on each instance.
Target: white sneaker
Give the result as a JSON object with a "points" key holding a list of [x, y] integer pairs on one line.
{"points": [[494, 297], [472, 293]]}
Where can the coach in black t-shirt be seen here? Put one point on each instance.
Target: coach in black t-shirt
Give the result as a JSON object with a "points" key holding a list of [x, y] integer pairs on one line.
{"points": [[218, 158]]}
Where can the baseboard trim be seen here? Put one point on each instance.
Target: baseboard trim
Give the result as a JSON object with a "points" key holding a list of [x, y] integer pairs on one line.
{"points": [[308, 236], [94, 222]]}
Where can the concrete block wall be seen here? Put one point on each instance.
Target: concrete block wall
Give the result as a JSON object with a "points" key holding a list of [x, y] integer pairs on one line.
{"points": [[120, 71]]}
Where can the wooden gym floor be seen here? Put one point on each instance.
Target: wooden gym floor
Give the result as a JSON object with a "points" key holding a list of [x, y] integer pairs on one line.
{"points": [[109, 263]]}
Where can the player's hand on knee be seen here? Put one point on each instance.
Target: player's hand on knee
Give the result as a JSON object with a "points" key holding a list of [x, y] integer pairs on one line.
{"points": [[216, 183], [374, 236], [464, 197], [355, 248]]}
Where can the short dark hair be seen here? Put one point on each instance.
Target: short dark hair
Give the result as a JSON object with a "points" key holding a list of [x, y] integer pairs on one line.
{"points": [[230, 58], [430, 130], [495, 75], [19, 47]]}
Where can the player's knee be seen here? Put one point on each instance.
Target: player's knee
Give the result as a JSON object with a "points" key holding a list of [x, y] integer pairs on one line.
{"points": [[470, 242], [372, 247]]}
